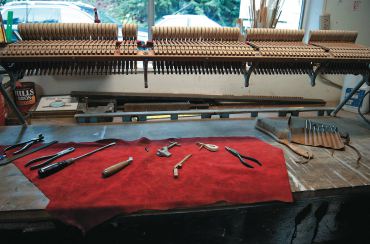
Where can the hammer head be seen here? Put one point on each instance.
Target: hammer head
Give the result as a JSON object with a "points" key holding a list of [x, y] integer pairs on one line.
{"points": [[163, 152]]}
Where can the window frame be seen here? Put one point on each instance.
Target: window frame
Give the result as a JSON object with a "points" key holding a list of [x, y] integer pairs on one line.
{"points": [[151, 16]]}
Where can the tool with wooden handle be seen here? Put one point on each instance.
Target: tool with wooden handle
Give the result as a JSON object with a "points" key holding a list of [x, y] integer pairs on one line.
{"points": [[116, 168], [55, 167], [209, 147], [179, 166]]}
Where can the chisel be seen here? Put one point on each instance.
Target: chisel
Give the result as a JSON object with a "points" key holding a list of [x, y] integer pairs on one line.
{"points": [[55, 167]]}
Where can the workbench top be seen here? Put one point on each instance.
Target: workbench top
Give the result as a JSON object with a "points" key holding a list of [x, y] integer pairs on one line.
{"points": [[325, 174]]}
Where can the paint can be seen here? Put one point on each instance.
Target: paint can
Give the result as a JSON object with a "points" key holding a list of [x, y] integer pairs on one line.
{"points": [[350, 81], [25, 95]]}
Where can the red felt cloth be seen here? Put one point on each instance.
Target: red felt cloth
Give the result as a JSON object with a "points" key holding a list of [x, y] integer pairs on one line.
{"points": [[81, 197]]}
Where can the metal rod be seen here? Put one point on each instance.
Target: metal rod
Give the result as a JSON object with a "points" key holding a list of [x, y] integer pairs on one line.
{"points": [[365, 78], [145, 66], [209, 112], [151, 18], [96, 150]]}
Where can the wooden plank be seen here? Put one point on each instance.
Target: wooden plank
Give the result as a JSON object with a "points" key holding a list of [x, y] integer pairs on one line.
{"points": [[141, 97], [210, 111], [151, 57]]}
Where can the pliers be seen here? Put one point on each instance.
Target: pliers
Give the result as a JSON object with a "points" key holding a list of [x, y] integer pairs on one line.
{"points": [[25, 144], [49, 158], [241, 157]]}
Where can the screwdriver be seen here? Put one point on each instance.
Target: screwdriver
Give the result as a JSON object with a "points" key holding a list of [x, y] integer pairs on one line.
{"points": [[55, 167]]}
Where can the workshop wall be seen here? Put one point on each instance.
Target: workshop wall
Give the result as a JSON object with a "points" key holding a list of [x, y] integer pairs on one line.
{"points": [[343, 16], [273, 85], [350, 15]]}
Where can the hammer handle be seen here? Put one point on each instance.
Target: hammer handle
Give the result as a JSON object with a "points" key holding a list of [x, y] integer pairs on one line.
{"points": [[172, 145], [179, 164]]}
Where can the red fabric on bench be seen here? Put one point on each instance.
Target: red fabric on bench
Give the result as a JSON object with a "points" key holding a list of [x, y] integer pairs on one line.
{"points": [[81, 197]]}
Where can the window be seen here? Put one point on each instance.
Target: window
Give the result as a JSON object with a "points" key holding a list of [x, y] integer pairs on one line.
{"points": [[75, 16], [195, 13], [124, 12], [290, 18], [166, 12], [43, 15], [19, 15]]}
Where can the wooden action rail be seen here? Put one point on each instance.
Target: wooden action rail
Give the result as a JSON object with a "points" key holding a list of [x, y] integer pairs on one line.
{"points": [[94, 49], [81, 49], [341, 45], [51, 49], [288, 43], [199, 42]]}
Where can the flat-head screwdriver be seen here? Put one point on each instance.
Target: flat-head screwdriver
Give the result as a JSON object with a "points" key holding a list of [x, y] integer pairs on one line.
{"points": [[55, 167]]}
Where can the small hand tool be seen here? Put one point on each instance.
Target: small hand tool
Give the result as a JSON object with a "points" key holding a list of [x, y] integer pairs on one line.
{"points": [[209, 147], [25, 144], [163, 152], [306, 132], [179, 166], [310, 140], [55, 167], [48, 158], [9, 160], [116, 168], [324, 136], [241, 157]]}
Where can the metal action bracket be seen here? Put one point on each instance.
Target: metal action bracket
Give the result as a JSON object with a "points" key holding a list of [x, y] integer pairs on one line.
{"points": [[247, 74], [313, 74], [13, 77], [145, 66], [365, 78]]}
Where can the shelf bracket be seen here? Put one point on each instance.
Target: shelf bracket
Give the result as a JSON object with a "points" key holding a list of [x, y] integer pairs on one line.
{"points": [[313, 75]]}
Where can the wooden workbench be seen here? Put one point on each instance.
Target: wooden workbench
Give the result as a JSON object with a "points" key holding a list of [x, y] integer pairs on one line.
{"points": [[324, 176]]}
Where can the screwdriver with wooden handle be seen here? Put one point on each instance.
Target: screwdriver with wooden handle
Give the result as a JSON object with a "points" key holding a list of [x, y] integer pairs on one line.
{"points": [[55, 167], [116, 168]]}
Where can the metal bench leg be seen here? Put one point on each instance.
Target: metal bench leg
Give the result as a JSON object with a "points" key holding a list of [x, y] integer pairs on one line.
{"points": [[365, 78], [11, 103]]}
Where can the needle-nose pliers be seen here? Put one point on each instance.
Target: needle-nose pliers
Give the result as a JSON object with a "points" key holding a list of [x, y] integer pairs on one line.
{"points": [[242, 157], [25, 144], [48, 158]]}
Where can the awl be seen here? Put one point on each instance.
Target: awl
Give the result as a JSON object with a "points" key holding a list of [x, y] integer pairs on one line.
{"points": [[55, 167]]}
